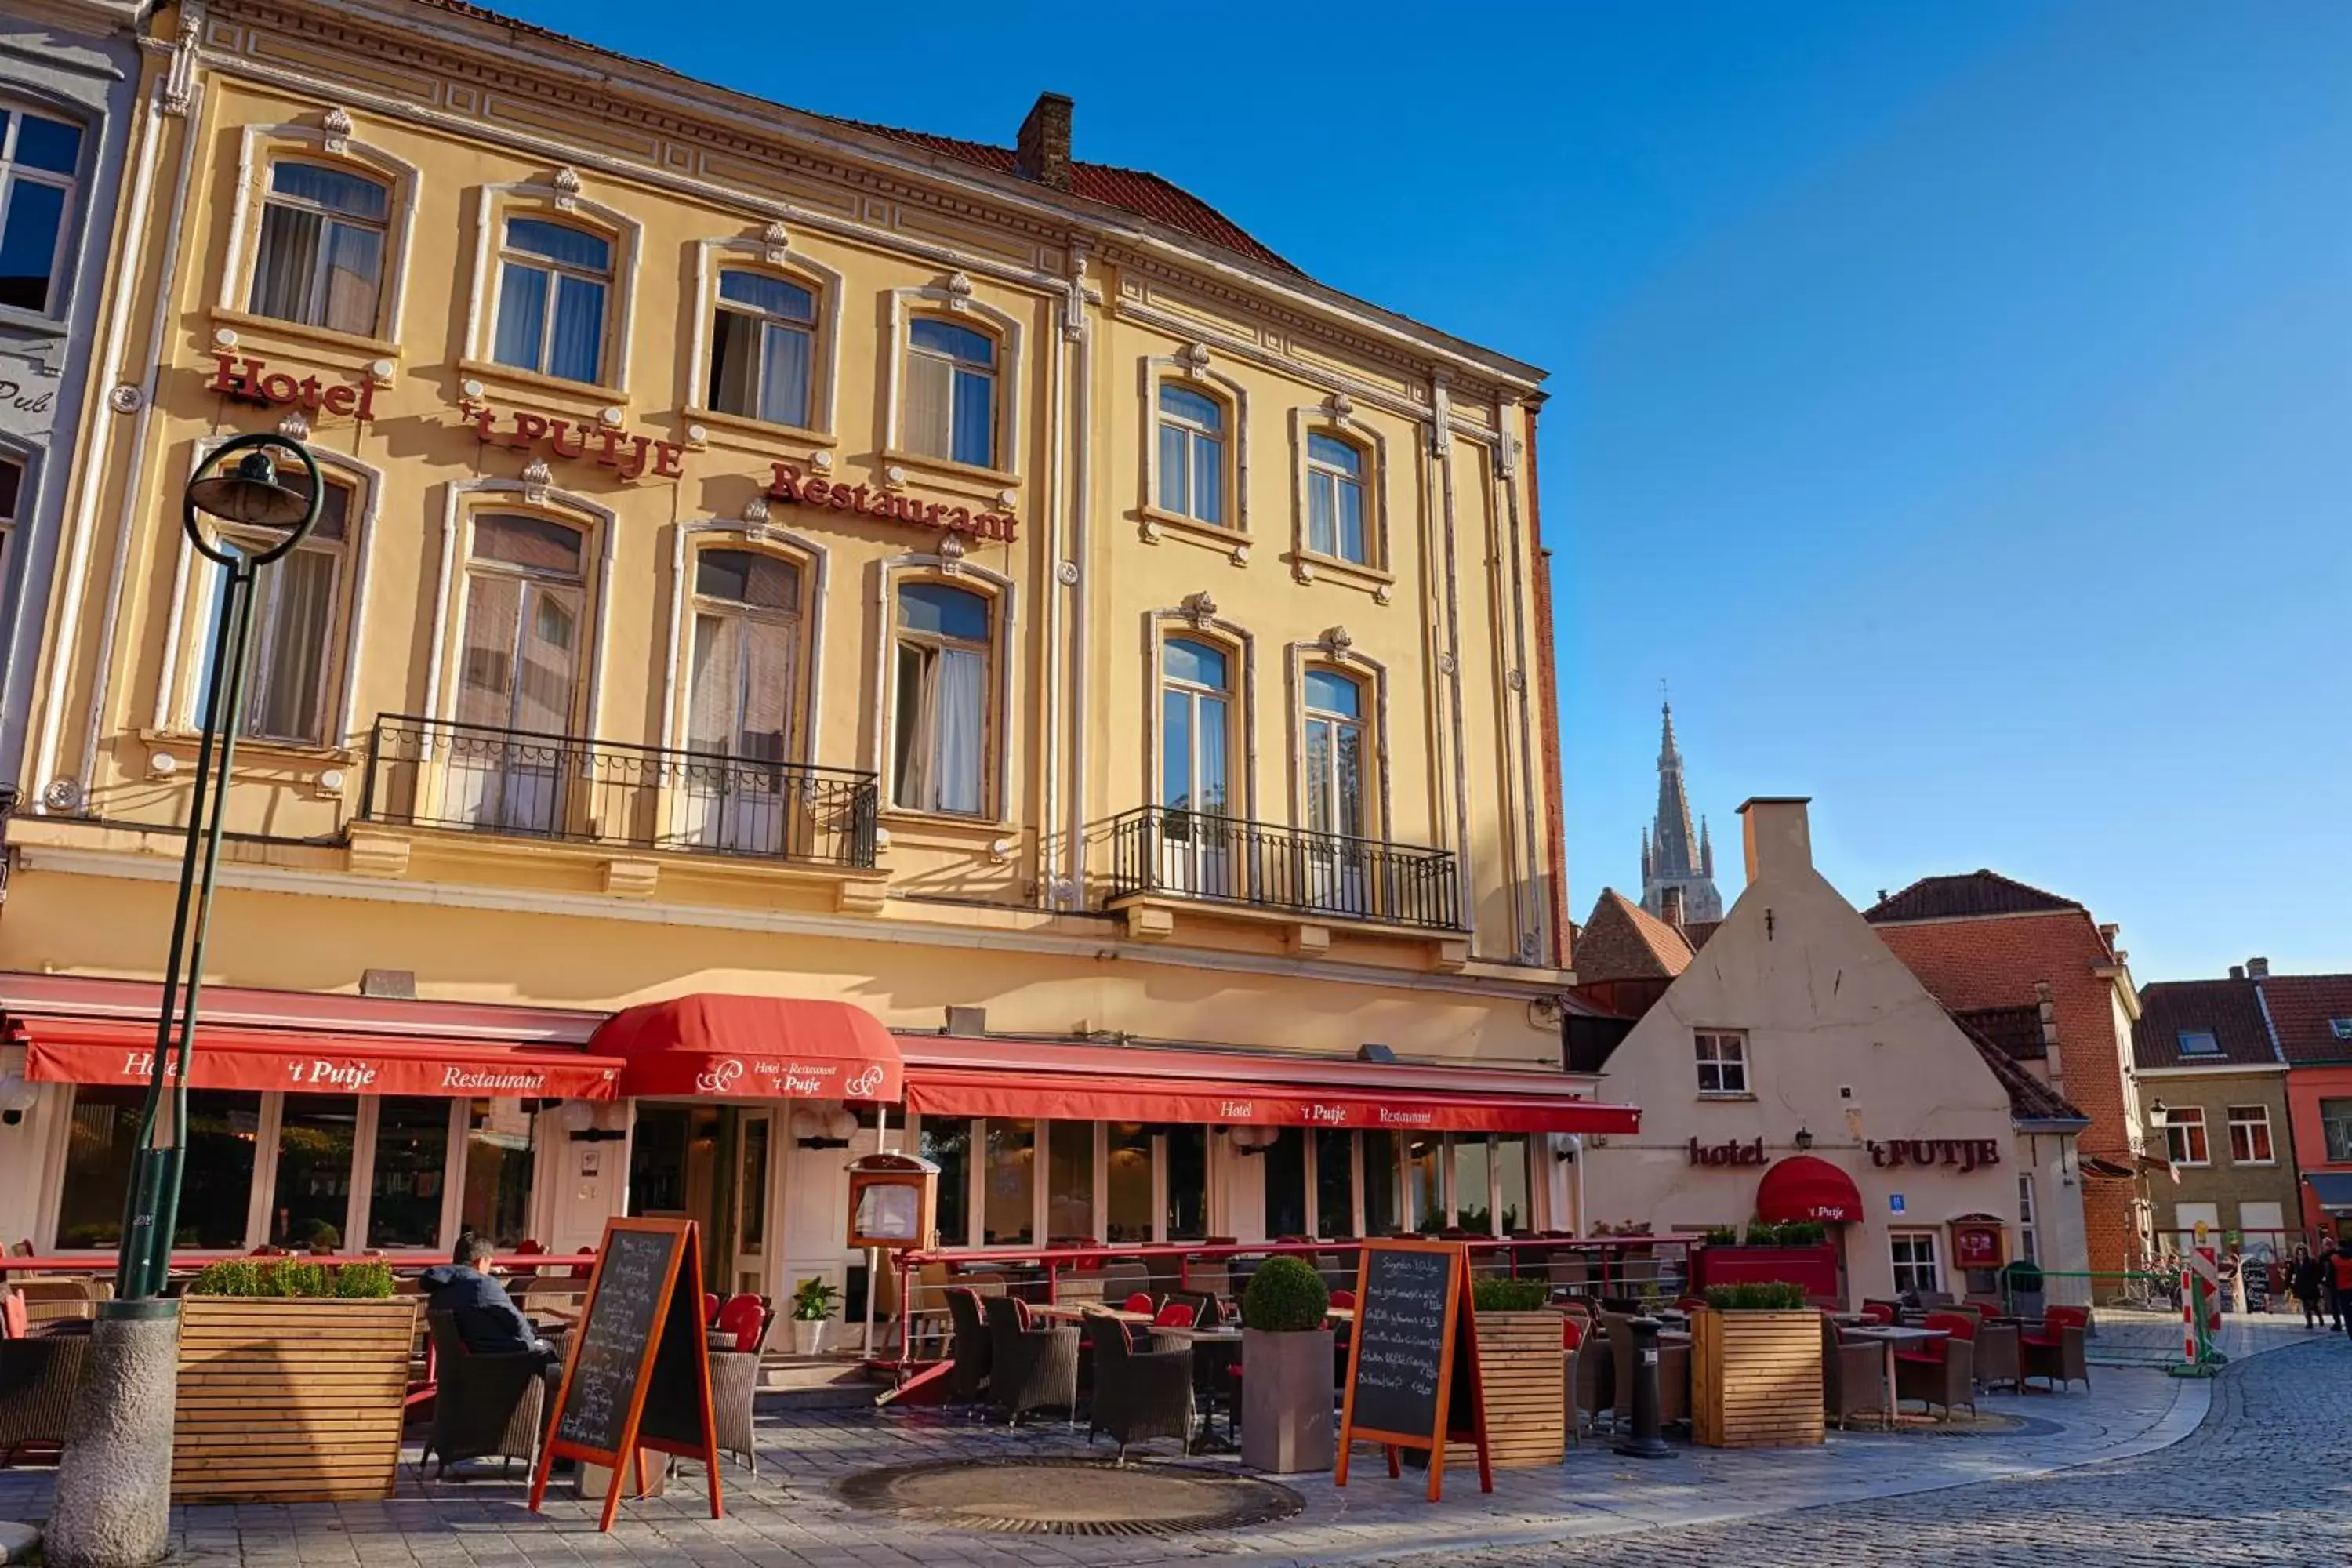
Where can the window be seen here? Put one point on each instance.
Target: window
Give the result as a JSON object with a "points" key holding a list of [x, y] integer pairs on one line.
{"points": [[12, 485], [950, 393], [520, 671], [1722, 1062], [552, 281], [1384, 1199], [1009, 1205], [2335, 1129], [1069, 1179], [101, 1146], [2340, 1027], [1196, 719], [1334, 500], [311, 1206], [1129, 1165], [1334, 754], [947, 1143], [762, 344], [496, 1199], [1187, 1150], [2249, 1135], [1285, 1185], [39, 156], [940, 722], [1424, 1171], [741, 697], [1474, 1169], [320, 261], [1514, 1187], [411, 1155], [1192, 454], [2027, 1248], [2184, 1135], [296, 641], [1913, 1253], [2198, 1043], [1335, 1183]]}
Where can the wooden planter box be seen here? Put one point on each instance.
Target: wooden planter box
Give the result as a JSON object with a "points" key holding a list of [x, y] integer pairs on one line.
{"points": [[1522, 1369], [289, 1400], [1756, 1379]]}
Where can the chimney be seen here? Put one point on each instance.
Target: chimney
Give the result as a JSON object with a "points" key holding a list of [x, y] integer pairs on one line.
{"points": [[1041, 152], [2237, 972], [1670, 907], [2258, 969], [1778, 837]]}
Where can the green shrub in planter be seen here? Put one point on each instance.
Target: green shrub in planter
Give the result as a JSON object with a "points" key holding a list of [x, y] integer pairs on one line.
{"points": [[1787, 1233], [1502, 1295], [363, 1281], [1285, 1297], [228, 1277], [1765, 1296], [1720, 1236]]}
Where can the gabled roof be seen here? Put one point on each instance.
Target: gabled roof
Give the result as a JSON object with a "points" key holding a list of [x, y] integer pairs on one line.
{"points": [[1971, 894], [2016, 1030], [2029, 1099], [2227, 1009], [2304, 1009], [1695, 933], [1625, 942]]}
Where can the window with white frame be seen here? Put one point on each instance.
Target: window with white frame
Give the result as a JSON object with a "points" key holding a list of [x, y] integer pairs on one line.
{"points": [[521, 663], [950, 402], [553, 284], [1334, 500], [762, 348], [2184, 1135], [320, 257], [1914, 1256], [1192, 454], [12, 488], [296, 643], [742, 696], [40, 158], [2027, 1247], [2336, 1129], [2249, 1135], [1722, 1057], [940, 724], [1332, 758]]}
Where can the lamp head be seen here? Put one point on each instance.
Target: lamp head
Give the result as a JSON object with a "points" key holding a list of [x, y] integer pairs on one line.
{"points": [[250, 494], [1804, 1138]]}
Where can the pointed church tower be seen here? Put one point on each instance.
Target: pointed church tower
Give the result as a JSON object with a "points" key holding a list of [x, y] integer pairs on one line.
{"points": [[1673, 855]]}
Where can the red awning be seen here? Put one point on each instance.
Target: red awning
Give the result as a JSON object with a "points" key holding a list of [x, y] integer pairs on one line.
{"points": [[948, 1077], [751, 1048], [1804, 1187], [118, 1051]]}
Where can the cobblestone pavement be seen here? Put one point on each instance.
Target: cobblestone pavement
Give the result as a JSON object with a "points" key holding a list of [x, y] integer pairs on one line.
{"points": [[2250, 1464]]}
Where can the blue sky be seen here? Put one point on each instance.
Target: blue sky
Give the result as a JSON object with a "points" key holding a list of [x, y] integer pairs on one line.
{"points": [[1952, 400]]}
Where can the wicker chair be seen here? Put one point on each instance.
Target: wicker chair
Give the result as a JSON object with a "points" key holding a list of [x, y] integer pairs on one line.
{"points": [[2054, 1350], [1999, 1356], [1853, 1377], [734, 1379], [485, 1405], [38, 1374], [1138, 1394], [972, 1347], [1939, 1372], [1030, 1369]]}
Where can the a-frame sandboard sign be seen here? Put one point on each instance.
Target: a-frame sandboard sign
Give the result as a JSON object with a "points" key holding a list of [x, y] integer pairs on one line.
{"points": [[638, 1376], [1412, 1362]]}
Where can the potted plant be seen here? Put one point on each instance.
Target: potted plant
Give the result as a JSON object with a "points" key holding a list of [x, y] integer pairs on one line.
{"points": [[813, 1308], [1756, 1367], [293, 1378], [2022, 1287], [1287, 1369], [1519, 1371]]}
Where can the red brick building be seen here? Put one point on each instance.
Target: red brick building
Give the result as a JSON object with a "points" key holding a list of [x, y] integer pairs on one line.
{"points": [[2311, 1016], [2035, 972]]}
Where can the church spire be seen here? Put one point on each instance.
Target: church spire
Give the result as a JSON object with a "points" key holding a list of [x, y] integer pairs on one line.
{"points": [[1673, 855]]}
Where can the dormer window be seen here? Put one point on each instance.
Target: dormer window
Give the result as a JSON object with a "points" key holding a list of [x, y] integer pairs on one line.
{"points": [[2198, 1043]]}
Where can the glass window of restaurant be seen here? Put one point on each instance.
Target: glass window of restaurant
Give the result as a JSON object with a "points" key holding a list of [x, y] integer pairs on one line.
{"points": [[311, 1202], [102, 1139], [496, 1202], [1116, 1181], [1009, 1216], [1424, 1158], [1335, 1184], [1383, 1196], [1285, 1185]]}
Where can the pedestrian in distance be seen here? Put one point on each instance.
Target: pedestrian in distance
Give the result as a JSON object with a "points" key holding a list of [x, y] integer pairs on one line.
{"points": [[2303, 1278], [2339, 1271]]}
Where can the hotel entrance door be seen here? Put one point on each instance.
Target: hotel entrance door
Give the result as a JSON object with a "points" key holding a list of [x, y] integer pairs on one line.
{"points": [[711, 1164]]}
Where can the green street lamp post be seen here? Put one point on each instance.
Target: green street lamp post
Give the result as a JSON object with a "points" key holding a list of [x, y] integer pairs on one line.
{"points": [[112, 1502]]}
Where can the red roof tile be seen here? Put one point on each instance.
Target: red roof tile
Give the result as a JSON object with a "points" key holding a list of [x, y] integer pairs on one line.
{"points": [[2308, 1010], [1625, 942], [2029, 1099], [2226, 1009], [1978, 892]]}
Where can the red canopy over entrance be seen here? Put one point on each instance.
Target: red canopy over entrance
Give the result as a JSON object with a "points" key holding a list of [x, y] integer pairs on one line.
{"points": [[1804, 1187], [751, 1048], [948, 1076]]}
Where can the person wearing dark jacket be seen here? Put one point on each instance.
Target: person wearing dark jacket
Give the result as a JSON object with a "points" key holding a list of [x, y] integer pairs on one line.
{"points": [[2304, 1279], [484, 1315]]}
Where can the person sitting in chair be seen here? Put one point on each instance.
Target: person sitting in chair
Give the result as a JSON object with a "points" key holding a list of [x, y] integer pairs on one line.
{"points": [[484, 1315]]}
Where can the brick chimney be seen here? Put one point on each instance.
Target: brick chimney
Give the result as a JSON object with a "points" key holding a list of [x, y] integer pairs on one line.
{"points": [[2258, 969], [1778, 836], [1041, 152], [1670, 907]]}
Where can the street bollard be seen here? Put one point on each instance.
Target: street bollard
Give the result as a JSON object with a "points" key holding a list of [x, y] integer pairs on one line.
{"points": [[1643, 1442]]}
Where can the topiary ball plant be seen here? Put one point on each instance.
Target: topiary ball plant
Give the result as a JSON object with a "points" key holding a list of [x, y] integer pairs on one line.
{"points": [[1285, 1297]]}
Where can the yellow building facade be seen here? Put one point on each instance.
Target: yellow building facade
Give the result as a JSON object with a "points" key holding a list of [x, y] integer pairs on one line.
{"points": [[770, 556]]}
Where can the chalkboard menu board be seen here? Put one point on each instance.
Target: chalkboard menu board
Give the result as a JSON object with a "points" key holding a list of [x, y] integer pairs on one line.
{"points": [[1412, 1365], [639, 1372]]}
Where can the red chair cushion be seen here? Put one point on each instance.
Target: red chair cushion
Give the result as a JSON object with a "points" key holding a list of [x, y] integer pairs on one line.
{"points": [[1344, 1298], [1932, 1354], [709, 1307], [1140, 1302], [742, 1317], [1176, 1315], [1959, 1325], [1571, 1335]]}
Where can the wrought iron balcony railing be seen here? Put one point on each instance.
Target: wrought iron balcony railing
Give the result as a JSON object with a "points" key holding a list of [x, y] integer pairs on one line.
{"points": [[429, 772], [1223, 859]]}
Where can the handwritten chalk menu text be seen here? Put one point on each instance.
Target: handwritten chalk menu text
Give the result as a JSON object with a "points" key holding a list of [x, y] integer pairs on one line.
{"points": [[1413, 1371], [638, 1375]]}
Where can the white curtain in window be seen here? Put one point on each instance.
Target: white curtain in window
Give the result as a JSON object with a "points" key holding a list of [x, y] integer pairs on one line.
{"points": [[961, 709], [293, 650], [355, 262], [784, 377], [288, 260], [523, 316], [930, 391], [1322, 529]]}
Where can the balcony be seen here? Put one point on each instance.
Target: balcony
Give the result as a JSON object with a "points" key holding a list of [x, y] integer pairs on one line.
{"points": [[425, 773], [1158, 852]]}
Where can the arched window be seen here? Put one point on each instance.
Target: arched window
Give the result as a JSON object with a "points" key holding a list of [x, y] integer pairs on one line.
{"points": [[940, 720], [553, 281], [950, 393], [1192, 454], [320, 260], [743, 700], [762, 346], [296, 643], [40, 158], [1334, 500], [1334, 754], [518, 682]]}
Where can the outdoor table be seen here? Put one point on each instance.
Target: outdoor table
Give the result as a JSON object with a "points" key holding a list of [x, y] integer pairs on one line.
{"points": [[1078, 1312], [1224, 1343], [1891, 1337]]}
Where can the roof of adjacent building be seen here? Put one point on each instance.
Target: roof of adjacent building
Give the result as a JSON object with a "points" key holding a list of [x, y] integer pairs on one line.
{"points": [[2029, 1099], [1972, 894], [2228, 1010], [2016, 1030], [2313, 1016], [1695, 933], [1622, 941]]}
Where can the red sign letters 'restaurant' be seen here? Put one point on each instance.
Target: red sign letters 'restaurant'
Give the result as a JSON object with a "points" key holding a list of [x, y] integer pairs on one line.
{"points": [[791, 486], [252, 380]]}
